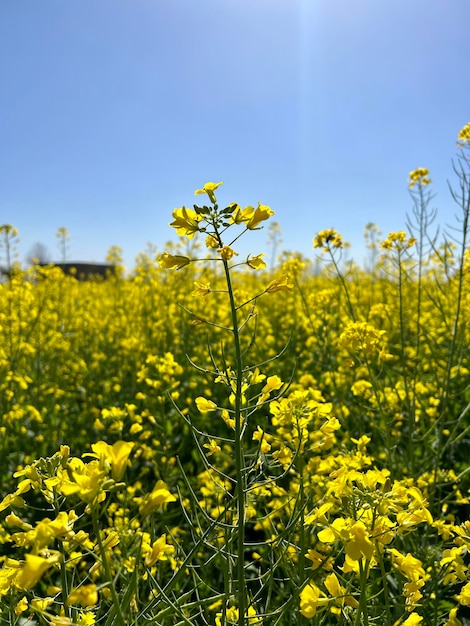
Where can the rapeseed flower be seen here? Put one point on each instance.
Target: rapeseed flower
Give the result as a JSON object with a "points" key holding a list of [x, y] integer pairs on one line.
{"points": [[173, 261], [464, 136], [338, 592], [160, 550], [117, 455], [279, 284], [463, 597], [239, 215], [361, 337], [201, 289], [209, 188], [249, 216], [33, 568], [86, 619], [227, 253], [85, 595], [186, 222], [205, 405], [256, 262], [41, 604], [453, 620], [419, 176], [21, 606], [327, 239], [89, 481], [212, 447], [212, 243], [398, 241], [260, 214], [312, 600], [232, 617], [157, 498]]}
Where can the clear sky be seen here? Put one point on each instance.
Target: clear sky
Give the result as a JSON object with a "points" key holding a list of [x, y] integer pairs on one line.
{"points": [[112, 112]]}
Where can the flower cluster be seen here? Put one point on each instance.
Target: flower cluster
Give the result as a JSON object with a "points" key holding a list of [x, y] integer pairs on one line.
{"points": [[420, 176], [398, 241], [464, 136], [328, 240]]}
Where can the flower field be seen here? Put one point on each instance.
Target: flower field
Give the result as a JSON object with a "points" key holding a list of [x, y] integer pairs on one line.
{"points": [[209, 441]]}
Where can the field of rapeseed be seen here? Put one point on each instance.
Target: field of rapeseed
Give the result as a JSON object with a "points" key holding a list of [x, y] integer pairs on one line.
{"points": [[207, 441]]}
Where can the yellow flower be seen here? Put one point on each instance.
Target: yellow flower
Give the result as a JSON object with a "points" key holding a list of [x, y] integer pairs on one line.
{"points": [[232, 617], [209, 188], [85, 595], [159, 551], [398, 241], [227, 253], [359, 545], [13, 520], [33, 569], [15, 499], [284, 456], [86, 619], [225, 415], [408, 565], [256, 377], [256, 262], [212, 447], [21, 606], [273, 383], [186, 222], [112, 540], [361, 337], [327, 239], [464, 136], [239, 215], [41, 604], [201, 289], [157, 498], [84, 479], [452, 619], [45, 531], [279, 284], [260, 214], [260, 435], [409, 518], [339, 592], [211, 242], [311, 600], [204, 405], [173, 261], [319, 560], [419, 176], [464, 596], [116, 455]]}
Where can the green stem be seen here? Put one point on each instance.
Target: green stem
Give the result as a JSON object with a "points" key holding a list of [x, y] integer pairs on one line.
{"points": [[404, 363], [120, 619], [240, 489], [386, 594], [344, 286], [362, 617]]}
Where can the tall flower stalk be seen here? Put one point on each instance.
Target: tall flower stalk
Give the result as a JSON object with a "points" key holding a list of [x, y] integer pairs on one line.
{"points": [[217, 225]]}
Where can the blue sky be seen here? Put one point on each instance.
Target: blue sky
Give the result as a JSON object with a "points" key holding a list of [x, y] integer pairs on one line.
{"points": [[112, 112]]}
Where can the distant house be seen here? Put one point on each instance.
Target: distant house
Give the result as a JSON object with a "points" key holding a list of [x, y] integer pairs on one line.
{"points": [[81, 271], [85, 271]]}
